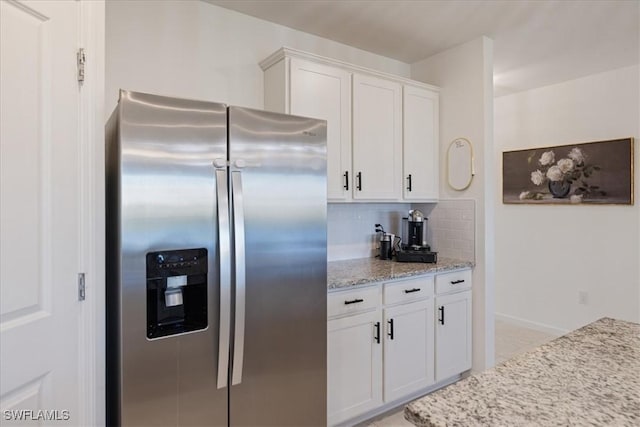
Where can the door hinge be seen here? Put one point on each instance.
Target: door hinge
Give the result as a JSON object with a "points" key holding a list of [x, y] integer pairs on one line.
{"points": [[81, 287], [81, 60]]}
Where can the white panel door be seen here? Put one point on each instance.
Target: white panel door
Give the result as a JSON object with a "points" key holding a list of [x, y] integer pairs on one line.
{"points": [[354, 366], [420, 144], [453, 334], [377, 138], [408, 351], [39, 211], [324, 92]]}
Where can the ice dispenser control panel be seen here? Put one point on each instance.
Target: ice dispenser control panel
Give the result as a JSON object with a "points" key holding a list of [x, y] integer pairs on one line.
{"points": [[176, 292]]}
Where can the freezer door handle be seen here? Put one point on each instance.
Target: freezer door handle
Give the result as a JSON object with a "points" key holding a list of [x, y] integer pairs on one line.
{"points": [[224, 243], [238, 221]]}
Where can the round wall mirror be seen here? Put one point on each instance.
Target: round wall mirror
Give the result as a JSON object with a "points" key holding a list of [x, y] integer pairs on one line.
{"points": [[460, 164]]}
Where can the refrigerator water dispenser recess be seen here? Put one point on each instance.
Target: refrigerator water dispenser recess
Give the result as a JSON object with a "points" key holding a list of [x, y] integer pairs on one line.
{"points": [[176, 292]]}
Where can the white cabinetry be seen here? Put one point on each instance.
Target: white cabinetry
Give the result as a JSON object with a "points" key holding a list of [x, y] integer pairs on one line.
{"points": [[377, 143], [323, 92], [354, 355], [369, 341], [420, 144], [409, 341], [380, 128], [453, 324]]}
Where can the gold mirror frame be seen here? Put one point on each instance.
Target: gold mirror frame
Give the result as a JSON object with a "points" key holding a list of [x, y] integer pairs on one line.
{"points": [[460, 170]]}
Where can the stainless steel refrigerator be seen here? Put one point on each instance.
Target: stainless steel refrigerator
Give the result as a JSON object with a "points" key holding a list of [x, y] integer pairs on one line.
{"points": [[216, 265]]}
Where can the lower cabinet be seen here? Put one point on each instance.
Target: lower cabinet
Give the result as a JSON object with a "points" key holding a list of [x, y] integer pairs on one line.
{"points": [[453, 334], [388, 341], [453, 324], [354, 360], [408, 349]]}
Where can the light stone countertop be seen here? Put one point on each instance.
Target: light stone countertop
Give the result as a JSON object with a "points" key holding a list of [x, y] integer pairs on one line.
{"points": [[353, 272], [590, 376]]}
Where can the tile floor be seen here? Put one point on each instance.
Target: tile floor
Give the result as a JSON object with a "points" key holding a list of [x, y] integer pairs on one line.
{"points": [[511, 340]]}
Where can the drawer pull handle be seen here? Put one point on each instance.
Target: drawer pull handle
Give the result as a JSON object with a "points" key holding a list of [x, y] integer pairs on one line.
{"points": [[455, 282], [390, 322], [410, 291], [441, 319], [353, 301], [346, 180], [377, 336]]}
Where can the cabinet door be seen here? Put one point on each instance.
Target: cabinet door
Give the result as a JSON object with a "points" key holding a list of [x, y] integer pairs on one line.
{"points": [[408, 352], [377, 137], [354, 366], [453, 334], [420, 144], [324, 92]]}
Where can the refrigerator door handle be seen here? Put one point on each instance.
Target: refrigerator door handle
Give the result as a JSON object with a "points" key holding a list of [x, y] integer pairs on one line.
{"points": [[224, 242], [240, 269]]}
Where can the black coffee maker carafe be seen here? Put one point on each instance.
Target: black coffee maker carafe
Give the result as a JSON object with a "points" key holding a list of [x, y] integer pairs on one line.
{"points": [[387, 241]]}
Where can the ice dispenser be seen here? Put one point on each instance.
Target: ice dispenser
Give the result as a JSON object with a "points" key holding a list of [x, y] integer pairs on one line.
{"points": [[176, 292]]}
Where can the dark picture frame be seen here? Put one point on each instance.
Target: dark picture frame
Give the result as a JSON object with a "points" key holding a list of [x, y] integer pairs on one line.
{"points": [[599, 172]]}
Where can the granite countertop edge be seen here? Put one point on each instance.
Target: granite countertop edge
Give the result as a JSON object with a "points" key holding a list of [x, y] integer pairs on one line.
{"points": [[365, 271], [586, 377]]}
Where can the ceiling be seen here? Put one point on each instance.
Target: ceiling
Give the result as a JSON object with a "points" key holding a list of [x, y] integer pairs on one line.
{"points": [[536, 43]]}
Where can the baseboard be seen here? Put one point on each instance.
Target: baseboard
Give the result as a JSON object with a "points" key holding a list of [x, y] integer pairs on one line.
{"points": [[548, 329]]}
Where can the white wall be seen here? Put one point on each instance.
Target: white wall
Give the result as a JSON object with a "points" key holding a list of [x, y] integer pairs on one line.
{"points": [[546, 254], [465, 75], [197, 50]]}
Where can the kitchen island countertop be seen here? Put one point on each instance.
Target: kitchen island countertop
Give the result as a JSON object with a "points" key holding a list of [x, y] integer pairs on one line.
{"points": [[354, 272], [590, 376]]}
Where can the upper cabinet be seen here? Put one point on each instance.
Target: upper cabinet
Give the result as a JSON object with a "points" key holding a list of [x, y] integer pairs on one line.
{"points": [[377, 138], [322, 92], [382, 130], [420, 144]]}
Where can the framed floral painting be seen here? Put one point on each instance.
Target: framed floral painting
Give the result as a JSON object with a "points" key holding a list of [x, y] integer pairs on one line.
{"points": [[593, 172]]}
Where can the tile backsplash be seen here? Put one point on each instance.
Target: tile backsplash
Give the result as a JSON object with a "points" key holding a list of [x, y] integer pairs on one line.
{"points": [[351, 227], [451, 228]]}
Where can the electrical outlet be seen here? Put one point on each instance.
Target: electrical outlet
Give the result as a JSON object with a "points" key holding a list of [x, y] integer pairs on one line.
{"points": [[583, 297]]}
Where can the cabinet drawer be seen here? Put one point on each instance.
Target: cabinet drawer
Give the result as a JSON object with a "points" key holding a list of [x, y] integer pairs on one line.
{"points": [[353, 301], [453, 282], [408, 290]]}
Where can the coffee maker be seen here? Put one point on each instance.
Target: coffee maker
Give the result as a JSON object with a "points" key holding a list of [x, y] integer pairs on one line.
{"points": [[414, 246]]}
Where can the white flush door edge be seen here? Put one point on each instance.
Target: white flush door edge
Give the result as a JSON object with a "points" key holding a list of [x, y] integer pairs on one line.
{"points": [[92, 314]]}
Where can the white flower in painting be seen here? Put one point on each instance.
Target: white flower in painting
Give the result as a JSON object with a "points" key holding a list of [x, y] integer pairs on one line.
{"points": [[576, 198], [554, 173], [565, 165], [525, 195], [547, 158], [576, 155], [537, 177]]}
